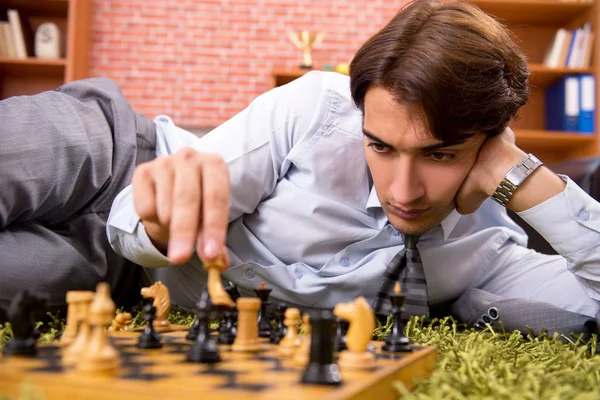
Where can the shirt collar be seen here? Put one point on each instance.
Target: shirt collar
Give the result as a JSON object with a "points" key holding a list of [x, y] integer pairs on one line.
{"points": [[447, 224]]}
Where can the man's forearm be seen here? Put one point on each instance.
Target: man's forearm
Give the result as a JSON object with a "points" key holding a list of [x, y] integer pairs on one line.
{"points": [[540, 186]]}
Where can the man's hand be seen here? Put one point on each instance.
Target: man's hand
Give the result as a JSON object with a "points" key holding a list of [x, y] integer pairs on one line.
{"points": [[496, 157], [182, 200]]}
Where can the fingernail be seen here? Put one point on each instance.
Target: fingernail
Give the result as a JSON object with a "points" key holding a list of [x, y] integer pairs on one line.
{"points": [[177, 250], [211, 248]]}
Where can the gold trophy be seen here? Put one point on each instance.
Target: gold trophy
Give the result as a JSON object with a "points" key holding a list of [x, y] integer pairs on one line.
{"points": [[306, 41]]}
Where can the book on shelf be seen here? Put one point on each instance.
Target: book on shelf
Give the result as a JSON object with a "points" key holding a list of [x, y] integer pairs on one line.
{"points": [[570, 104], [16, 35], [571, 48]]}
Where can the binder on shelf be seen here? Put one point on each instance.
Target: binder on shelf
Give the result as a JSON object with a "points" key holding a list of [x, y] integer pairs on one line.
{"points": [[562, 105], [587, 109]]}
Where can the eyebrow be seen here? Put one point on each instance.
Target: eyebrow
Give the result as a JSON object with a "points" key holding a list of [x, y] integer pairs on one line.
{"points": [[429, 148]]}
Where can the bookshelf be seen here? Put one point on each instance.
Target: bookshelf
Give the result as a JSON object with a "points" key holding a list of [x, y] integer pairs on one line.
{"points": [[33, 75], [534, 22]]}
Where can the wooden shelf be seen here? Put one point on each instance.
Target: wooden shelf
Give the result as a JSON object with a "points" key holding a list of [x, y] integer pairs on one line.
{"points": [[32, 66], [538, 12], [47, 8], [542, 76], [553, 140], [34, 75]]}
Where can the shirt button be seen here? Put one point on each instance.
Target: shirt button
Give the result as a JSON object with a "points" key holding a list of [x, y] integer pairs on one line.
{"points": [[250, 274], [344, 262], [584, 214], [299, 274]]}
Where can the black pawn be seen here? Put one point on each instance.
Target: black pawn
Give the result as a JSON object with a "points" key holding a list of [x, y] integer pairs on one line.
{"points": [[21, 314], [193, 331], [397, 342], [340, 338], [264, 325], [321, 369], [280, 330], [228, 326], [204, 349], [149, 339]]}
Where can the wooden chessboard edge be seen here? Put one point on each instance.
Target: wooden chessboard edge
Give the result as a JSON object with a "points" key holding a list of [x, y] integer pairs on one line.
{"points": [[418, 365]]}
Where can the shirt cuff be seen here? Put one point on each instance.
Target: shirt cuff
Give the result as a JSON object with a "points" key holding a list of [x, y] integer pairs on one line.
{"points": [[128, 236], [569, 221]]}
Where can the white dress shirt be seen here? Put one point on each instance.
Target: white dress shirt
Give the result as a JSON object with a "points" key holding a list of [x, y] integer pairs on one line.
{"points": [[306, 220]]}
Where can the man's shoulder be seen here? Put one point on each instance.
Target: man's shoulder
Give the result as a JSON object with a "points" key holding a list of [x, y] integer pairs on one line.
{"points": [[334, 98], [328, 82]]}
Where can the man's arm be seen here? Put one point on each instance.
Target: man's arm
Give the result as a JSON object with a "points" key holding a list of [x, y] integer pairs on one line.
{"points": [[566, 216], [183, 200]]}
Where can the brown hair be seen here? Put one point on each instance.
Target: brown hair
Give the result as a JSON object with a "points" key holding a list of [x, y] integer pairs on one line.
{"points": [[452, 63]]}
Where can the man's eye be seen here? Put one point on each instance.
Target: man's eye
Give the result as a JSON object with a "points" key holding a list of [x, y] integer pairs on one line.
{"points": [[437, 156], [378, 147]]}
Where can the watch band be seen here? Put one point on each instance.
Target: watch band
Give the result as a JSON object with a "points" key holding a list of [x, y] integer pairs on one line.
{"points": [[515, 177]]}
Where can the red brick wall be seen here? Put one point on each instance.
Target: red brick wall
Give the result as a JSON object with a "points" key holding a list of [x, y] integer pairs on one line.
{"points": [[203, 61]]}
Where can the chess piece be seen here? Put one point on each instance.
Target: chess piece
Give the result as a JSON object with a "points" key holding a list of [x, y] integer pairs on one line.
{"points": [[21, 314], [228, 326], [204, 349], [302, 355], [73, 299], [80, 303], [340, 338], [288, 345], [306, 41], [264, 325], [149, 339], [396, 340], [100, 356], [218, 295], [247, 328], [121, 322], [279, 331], [193, 331], [321, 369], [162, 303], [362, 323]]}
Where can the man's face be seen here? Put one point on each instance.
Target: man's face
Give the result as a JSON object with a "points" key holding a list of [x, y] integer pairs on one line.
{"points": [[416, 176]]}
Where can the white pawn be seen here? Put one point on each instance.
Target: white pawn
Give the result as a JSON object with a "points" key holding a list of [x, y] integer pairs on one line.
{"points": [[79, 304], [289, 343], [100, 355], [303, 355]]}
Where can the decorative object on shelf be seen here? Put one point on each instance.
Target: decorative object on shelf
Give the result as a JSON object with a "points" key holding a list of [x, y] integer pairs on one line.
{"points": [[343, 68], [47, 41], [306, 41]]}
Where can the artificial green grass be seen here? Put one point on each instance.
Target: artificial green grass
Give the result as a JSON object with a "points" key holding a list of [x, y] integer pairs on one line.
{"points": [[473, 364]]}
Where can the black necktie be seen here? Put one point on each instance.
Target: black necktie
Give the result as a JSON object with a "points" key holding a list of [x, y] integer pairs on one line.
{"points": [[406, 268]]}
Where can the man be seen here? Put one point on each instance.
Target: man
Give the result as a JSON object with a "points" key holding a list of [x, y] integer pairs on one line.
{"points": [[322, 178]]}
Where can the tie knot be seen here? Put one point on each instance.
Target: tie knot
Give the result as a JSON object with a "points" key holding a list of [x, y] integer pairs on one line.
{"points": [[410, 241]]}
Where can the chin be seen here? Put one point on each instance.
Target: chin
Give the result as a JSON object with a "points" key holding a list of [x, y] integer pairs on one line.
{"points": [[412, 228], [416, 226]]}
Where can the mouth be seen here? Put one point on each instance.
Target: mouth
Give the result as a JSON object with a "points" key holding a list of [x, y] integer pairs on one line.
{"points": [[408, 213]]}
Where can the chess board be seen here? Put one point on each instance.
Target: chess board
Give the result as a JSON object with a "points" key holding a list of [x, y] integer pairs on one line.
{"points": [[165, 374]]}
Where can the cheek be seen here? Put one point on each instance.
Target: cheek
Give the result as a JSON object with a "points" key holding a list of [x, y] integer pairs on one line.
{"points": [[382, 170], [442, 182]]}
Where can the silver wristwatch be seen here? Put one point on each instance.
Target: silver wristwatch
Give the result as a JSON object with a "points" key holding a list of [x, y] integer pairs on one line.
{"points": [[515, 177]]}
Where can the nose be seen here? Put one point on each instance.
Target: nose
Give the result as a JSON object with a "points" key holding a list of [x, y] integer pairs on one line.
{"points": [[407, 186]]}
